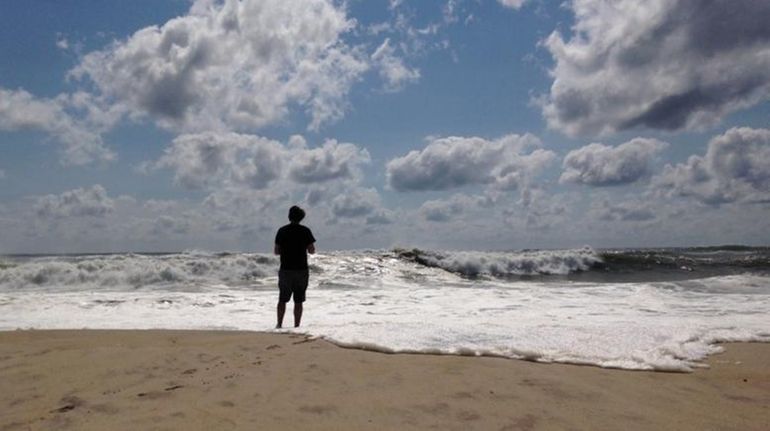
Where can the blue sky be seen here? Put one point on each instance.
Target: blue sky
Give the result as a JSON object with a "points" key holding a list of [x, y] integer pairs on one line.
{"points": [[473, 124]]}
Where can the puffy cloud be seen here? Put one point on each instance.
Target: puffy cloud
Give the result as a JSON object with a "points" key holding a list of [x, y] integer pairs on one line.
{"points": [[20, 110], [392, 69], [217, 159], [538, 210], [160, 206], [444, 210], [356, 203], [602, 165], [513, 4], [331, 161], [380, 217], [165, 224], [623, 211], [223, 159], [658, 64], [232, 64], [315, 195], [441, 210], [92, 202], [736, 167], [452, 162]]}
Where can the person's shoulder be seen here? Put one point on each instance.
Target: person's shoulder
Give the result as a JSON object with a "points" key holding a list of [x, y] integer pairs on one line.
{"points": [[284, 228]]}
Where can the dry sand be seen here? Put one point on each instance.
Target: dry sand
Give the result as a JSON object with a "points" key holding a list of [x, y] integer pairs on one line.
{"points": [[190, 380]]}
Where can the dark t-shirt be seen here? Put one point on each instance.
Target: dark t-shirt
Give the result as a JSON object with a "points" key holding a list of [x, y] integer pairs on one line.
{"points": [[293, 240]]}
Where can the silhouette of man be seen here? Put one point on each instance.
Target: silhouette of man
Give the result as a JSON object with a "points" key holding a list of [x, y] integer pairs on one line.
{"points": [[293, 242]]}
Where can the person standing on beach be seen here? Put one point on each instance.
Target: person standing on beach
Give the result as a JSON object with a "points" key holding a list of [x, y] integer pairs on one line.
{"points": [[293, 242]]}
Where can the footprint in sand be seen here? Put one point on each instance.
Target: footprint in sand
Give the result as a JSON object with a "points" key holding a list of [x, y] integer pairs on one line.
{"points": [[69, 402], [158, 394], [151, 395]]}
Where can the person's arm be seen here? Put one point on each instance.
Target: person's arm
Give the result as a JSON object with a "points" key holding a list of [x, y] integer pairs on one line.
{"points": [[310, 242], [276, 247]]}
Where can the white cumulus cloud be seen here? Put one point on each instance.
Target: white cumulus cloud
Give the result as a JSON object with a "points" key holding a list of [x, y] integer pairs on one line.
{"points": [[216, 160], [92, 202], [658, 64], [232, 64], [447, 163], [223, 159], [381, 216], [444, 210], [736, 167], [357, 203], [633, 211], [603, 165], [333, 160], [20, 110], [166, 224], [538, 210]]}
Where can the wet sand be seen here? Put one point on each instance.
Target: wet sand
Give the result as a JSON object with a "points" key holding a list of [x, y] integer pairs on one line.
{"points": [[215, 380]]}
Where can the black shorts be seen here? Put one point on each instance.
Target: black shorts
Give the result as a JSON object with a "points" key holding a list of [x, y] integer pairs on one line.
{"points": [[292, 282]]}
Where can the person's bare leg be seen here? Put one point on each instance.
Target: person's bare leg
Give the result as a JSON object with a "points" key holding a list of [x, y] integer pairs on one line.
{"points": [[281, 311], [297, 313]]}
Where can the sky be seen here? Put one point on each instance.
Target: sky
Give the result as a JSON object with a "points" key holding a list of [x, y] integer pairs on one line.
{"points": [[175, 125]]}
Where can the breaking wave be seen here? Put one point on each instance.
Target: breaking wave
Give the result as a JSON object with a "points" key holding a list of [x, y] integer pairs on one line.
{"points": [[136, 270], [601, 266], [506, 264], [193, 269]]}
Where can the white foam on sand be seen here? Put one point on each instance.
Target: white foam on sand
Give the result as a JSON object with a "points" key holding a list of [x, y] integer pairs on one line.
{"points": [[376, 301]]}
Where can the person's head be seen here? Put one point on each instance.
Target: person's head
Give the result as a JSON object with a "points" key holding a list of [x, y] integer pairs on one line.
{"points": [[296, 214]]}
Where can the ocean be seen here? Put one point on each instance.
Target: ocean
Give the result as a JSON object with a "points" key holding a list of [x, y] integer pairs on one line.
{"points": [[646, 309]]}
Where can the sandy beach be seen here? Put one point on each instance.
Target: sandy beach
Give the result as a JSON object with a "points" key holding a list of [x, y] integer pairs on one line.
{"points": [[199, 380]]}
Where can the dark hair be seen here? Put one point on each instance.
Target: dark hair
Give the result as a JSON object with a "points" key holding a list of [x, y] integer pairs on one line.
{"points": [[296, 214]]}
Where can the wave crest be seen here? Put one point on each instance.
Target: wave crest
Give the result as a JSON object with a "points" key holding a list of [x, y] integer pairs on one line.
{"points": [[506, 264], [132, 270]]}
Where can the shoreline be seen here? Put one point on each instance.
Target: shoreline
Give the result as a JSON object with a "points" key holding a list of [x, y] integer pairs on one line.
{"points": [[187, 379]]}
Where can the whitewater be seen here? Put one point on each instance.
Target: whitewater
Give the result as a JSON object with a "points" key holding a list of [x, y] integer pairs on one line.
{"points": [[660, 309]]}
